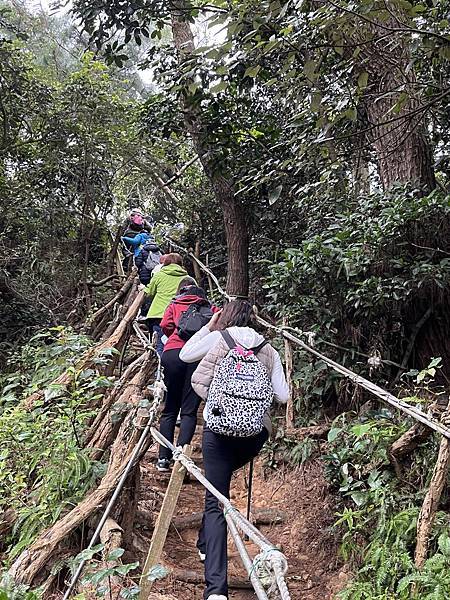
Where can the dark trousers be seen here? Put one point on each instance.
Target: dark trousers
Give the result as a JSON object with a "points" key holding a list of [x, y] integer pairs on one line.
{"points": [[180, 397], [221, 456], [145, 307], [155, 327]]}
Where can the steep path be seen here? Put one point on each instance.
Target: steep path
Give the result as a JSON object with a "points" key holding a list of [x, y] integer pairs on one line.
{"points": [[305, 536]]}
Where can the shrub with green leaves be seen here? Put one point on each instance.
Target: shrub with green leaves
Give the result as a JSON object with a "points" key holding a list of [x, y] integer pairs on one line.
{"points": [[44, 469], [378, 515]]}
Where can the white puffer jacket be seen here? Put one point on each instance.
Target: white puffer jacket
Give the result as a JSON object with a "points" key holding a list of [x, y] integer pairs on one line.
{"points": [[210, 348]]}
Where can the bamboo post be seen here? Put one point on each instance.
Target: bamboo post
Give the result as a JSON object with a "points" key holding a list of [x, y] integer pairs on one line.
{"points": [[162, 524], [197, 271], [288, 359], [210, 282], [431, 500]]}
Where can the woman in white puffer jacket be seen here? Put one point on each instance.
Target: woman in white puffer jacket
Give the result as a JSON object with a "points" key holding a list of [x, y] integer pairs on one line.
{"points": [[224, 454]]}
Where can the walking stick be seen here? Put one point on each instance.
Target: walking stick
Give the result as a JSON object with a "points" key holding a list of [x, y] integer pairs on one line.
{"points": [[249, 492]]}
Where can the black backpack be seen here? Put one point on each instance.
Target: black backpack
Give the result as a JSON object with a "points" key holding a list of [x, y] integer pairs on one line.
{"points": [[193, 319]]}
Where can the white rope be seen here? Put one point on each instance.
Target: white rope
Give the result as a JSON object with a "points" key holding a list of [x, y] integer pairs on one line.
{"points": [[371, 387], [275, 560], [220, 289], [253, 574]]}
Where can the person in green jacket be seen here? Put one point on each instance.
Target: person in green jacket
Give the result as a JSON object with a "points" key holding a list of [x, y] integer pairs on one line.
{"points": [[161, 290]]}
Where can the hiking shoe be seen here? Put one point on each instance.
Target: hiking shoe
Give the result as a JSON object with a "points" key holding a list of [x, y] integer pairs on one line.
{"points": [[163, 465], [202, 556], [217, 597]]}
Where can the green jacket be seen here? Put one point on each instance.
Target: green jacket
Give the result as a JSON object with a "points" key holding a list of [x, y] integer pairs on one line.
{"points": [[163, 287]]}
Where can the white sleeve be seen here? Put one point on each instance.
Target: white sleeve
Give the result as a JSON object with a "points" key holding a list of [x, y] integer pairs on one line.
{"points": [[279, 383], [199, 345]]}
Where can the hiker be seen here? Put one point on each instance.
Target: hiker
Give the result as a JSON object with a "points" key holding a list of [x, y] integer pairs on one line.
{"points": [[239, 375], [145, 275], [185, 315], [134, 224], [162, 288], [137, 242], [147, 260]]}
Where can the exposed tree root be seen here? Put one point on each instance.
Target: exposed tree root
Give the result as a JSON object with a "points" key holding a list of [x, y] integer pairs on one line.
{"points": [[198, 578], [314, 431], [260, 516], [411, 439], [406, 443], [431, 500], [32, 561], [116, 405], [111, 537], [112, 396], [97, 317]]}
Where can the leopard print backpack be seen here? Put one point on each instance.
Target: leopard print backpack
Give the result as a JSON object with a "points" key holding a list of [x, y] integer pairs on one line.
{"points": [[240, 393]]}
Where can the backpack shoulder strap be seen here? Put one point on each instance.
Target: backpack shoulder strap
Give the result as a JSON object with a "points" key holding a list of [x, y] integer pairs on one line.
{"points": [[260, 346], [229, 340]]}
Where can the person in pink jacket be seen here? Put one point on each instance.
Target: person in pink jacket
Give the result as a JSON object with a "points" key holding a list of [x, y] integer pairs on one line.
{"points": [[180, 397]]}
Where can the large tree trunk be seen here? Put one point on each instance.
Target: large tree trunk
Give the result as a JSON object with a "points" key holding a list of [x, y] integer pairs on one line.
{"points": [[401, 146], [237, 238], [233, 210], [395, 114]]}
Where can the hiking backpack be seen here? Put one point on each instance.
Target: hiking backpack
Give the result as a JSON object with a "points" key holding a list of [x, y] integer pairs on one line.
{"points": [[154, 255], [193, 319], [240, 393]]}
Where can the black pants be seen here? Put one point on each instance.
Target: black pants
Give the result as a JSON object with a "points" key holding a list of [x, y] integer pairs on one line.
{"points": [[221, 456], [180, 396], [155, 327], [145, 307]]}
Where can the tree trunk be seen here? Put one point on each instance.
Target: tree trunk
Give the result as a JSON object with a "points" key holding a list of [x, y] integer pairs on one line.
{"points": [[237, 238], [395, 114], [403, 152], [431, 502], [233, 211]]}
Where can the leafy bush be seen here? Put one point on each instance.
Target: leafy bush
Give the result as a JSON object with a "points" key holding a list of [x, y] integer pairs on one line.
{"points": [[44, 470], [379, 512], [364, 273]]}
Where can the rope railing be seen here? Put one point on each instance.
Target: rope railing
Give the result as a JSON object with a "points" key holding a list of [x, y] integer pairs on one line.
{"points": [[371, 387], [271, 559]]}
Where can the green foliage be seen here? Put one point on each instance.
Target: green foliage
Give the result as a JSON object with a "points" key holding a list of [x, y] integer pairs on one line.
{"points": [[361, 273], [378, 518], [390, 572], [353, 256], [99, 578], [284, 449], [9, 590], [44, 470]]}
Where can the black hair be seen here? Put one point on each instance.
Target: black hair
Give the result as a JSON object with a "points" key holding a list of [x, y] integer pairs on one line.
{"points": [[193, 290], [237, 313]]}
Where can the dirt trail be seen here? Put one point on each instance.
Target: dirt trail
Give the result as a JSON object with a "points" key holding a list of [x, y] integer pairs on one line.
{"points": [[315, 571]]}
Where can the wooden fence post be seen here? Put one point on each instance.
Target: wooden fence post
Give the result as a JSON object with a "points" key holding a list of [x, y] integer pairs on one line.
{"points": [[162, 524], [431, 500], [289, 360]]}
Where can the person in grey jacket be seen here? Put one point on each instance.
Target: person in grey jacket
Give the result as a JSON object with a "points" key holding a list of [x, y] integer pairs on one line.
{"points": [[222, 455]]}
